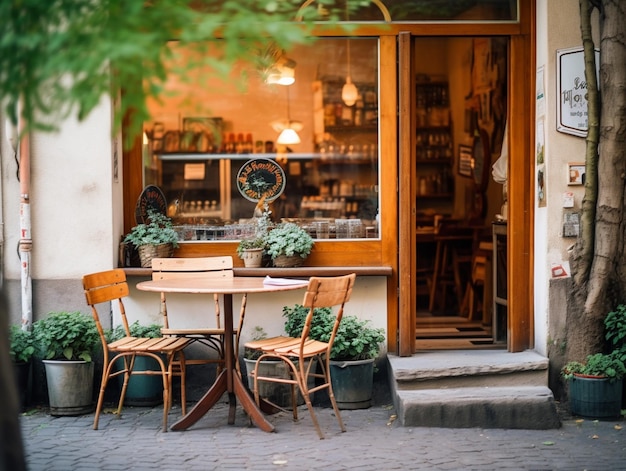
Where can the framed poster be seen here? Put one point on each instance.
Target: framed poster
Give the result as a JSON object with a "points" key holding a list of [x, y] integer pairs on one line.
{"points": [[572, 91]]}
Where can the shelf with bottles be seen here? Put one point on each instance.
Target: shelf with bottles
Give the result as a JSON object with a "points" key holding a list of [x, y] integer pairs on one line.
{"points": [[437, 183]]}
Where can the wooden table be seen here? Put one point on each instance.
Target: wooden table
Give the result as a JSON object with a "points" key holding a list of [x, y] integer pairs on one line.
{"points": [[228, 380]]}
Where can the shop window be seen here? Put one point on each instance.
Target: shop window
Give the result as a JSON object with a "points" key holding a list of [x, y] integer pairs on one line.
{"points": [[201, 136]]}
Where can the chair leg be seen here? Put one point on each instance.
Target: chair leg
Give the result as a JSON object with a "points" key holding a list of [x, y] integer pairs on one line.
{"points": [[183, 383], [331, 395], [166, 375], [103, 384], [129, 364]]}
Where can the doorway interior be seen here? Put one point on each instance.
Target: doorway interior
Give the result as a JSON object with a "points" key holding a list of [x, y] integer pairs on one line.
{"points": [[459, 107]]}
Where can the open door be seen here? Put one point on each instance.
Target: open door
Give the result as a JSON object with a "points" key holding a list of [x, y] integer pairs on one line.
{"points": [[451, 120]]}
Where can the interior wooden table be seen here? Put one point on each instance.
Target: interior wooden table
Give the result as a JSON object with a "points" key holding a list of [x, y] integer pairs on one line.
{"points": [[228, 380]]}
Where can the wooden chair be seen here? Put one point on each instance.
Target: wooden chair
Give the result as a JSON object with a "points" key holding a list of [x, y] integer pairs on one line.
{"points": [[298, 353], [204, 268], [109, 286]]}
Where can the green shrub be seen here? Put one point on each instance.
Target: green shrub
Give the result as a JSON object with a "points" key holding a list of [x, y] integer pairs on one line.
{"points": [[66, 336], [152, 331], [21, 344], [615, 328], [355, 339], [609, 366]]}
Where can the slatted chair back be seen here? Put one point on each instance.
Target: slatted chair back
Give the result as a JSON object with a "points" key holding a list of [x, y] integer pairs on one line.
{"points": [[188, 267], [327, 292]]}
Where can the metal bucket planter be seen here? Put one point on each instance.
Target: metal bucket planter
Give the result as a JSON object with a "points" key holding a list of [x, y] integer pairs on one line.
{"points": [[595, 397], [352, 383], [70, 387]]}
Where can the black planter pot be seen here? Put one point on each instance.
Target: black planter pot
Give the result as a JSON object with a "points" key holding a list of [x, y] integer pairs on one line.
{"points": [[22, 381], [595, 397], [352, 383]]}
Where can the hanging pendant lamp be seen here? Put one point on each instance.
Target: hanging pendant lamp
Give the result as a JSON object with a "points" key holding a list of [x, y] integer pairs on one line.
{"points": [[289, 129], [349, 92]]}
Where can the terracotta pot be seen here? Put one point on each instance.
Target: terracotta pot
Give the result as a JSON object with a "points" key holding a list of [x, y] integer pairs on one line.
{"points": [[252, 258]]}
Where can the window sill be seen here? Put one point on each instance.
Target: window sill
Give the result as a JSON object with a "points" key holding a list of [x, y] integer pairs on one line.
{"points": [[288, 272]]}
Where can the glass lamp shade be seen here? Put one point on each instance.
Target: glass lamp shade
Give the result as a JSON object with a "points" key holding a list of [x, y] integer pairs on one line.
{"points": [[288, 136], [282, 76], [349, 93]]}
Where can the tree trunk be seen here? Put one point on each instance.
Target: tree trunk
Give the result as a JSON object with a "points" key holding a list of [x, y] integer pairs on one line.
{"points": [[595, 295]]}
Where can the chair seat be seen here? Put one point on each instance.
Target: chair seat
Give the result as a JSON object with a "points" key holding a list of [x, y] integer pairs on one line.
{"points": [[310, 348], [195, 332], [155, 345], [262, 344]]}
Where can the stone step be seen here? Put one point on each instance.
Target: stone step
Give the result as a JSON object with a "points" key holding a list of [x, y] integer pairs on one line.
{"points": [[467, 368], [530, 407], [473, 388]]}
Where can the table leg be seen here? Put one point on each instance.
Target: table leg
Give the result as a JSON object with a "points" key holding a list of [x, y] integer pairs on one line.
{"points": [[204, 405], [228, 381], [250, 406]]}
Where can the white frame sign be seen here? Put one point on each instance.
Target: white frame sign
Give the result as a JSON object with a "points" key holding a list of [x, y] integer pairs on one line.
{"points": [[572, 91]]}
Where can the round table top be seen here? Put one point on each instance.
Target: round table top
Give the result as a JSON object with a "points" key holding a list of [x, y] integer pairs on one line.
{"points": [[238, 284]]}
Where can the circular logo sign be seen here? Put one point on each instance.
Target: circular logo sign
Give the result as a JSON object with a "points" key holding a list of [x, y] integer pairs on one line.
{"points": [[151, 198], [260, 178]]}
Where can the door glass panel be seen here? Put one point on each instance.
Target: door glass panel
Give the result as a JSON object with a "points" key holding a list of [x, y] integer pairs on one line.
{"points": [[202, 135]]}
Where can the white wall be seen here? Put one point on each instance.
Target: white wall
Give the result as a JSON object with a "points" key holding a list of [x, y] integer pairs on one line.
{"points": [[368, 301], [75, 205], [558, 27]]}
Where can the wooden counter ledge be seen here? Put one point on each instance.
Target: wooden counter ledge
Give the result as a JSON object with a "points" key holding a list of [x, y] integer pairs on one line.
{"points": [[288, 272]]}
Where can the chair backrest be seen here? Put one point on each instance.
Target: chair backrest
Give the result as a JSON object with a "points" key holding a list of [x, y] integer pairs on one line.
{"points": [[104, 287], [187, 267], [181, 267], [332, 292]]}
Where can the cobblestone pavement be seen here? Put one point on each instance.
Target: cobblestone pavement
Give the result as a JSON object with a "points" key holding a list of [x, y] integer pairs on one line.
{"points": [[374, 441]]}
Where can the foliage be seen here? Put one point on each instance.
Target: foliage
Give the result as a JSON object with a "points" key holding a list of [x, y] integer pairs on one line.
{"points": [[21, 344], [152, 331], [254, 243], [609, 366], [615, 328], [288, 239], [66, 336], [158, 230], [56, 56], [355, 339]]}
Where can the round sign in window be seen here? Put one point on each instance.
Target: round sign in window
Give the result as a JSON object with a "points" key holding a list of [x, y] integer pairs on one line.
{"points": [[260, 178]]}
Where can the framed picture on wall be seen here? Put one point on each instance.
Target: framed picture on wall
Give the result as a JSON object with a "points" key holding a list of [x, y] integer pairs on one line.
{"points": [[576, 173], [466, 163]]}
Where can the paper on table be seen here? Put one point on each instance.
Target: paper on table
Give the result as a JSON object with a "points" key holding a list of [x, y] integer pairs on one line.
{"points": [[282, 281]]}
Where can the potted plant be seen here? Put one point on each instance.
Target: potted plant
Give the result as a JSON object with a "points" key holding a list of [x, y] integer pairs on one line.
{"points": [[352, 356], [67, 342], [21, 350], [595, 386], [251, 251], [288, 245], [142, 390], [157, 238]]}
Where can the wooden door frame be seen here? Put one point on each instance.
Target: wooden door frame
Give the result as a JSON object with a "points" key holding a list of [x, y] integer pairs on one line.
{"points": [[521, 86]]}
